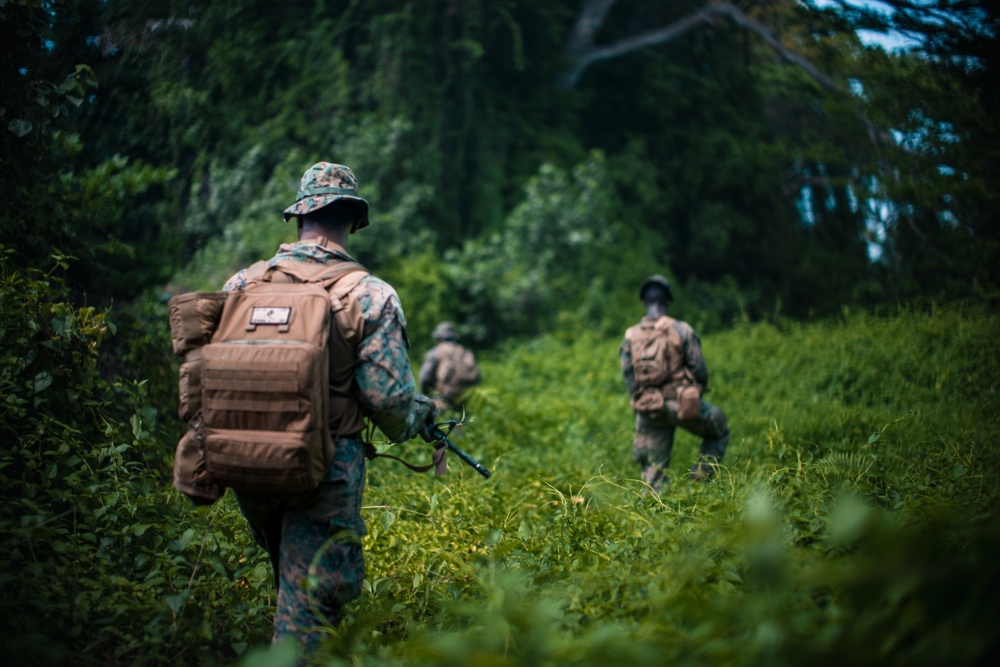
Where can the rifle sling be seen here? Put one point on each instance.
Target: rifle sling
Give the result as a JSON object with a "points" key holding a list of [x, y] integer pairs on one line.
{"points": [[438, 461]]}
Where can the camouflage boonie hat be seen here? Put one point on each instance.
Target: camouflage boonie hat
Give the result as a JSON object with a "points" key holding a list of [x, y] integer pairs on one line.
{"points": [[658, 280], [325, 183], [445, 331]]}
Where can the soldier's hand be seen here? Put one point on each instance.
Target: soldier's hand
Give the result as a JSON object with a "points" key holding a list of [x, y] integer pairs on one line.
{"points": [[428, 423]]}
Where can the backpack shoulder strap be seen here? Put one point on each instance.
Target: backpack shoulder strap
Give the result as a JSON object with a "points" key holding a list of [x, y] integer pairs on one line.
{"points": [[331, 274], [302, 272], [255, 272], [665, 323], [338, 281], [646, 330]]}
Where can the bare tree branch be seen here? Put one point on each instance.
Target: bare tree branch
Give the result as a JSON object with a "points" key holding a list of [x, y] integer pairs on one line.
{"points": [[582, 53], [784, 52], [588, 22]]}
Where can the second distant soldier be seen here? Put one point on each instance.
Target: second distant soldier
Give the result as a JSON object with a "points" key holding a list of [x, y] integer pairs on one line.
{"points": [[666, 374], [449, 369]]}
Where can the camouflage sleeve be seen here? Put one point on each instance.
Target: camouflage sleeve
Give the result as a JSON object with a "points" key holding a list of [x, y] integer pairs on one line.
{"points": [[628, 370], [693, 358], [428, 370], [383, 372], [236, 282]]}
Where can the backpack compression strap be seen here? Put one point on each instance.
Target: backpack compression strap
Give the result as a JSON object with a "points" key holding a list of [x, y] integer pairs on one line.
{"points": [[306, 272]]}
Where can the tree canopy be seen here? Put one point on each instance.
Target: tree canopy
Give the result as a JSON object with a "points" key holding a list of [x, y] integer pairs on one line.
{"points": [[761, 152]]}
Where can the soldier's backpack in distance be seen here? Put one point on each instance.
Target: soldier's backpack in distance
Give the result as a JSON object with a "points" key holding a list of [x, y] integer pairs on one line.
{"points": [[265, 382], [660, 373], [458, 372]]}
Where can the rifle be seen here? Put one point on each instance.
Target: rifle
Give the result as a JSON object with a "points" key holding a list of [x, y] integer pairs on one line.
{"points": [[435, 434]]}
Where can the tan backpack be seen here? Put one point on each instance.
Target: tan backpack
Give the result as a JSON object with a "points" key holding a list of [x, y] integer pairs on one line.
{"points": [[264, 385], [660, 371], [457, 371]]}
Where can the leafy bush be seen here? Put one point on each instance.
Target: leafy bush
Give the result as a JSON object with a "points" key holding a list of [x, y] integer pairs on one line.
{"points": [[853, 520], [560, 259], [100, 558], [247, 206]]}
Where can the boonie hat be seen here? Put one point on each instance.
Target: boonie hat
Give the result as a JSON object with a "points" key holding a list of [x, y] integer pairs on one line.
{"points": [[323, 184]]}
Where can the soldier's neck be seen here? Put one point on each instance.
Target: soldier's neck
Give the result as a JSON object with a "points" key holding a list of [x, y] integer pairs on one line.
{"points": [[339, 237], [655, 310]]}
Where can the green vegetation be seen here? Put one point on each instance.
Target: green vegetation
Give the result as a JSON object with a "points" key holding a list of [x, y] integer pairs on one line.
{"points": [[854, 520], [157, 141], [761, 158]]}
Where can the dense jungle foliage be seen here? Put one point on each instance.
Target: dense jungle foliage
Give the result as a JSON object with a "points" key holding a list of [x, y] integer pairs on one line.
{"points": [[825, 207], [762, 156], [854, 521]]}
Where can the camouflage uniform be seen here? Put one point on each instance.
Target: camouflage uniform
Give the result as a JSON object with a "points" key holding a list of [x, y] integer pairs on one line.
{"points": [[654, 432], [427, 380], [314, 539]]}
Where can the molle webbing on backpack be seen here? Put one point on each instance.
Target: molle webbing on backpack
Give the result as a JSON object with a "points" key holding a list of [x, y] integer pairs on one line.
{"points": [[269, 373], [345, 411]]}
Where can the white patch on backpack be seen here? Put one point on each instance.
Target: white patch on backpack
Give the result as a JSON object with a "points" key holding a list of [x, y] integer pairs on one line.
{"points": [[270, 315]]}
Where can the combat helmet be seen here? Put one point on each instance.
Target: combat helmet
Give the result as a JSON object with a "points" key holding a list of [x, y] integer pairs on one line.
{"points": [[658, 280], [445, 331], [323, 184]]}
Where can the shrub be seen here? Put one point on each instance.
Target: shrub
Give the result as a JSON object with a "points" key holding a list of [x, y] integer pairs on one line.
{"points": [[100, 558]]}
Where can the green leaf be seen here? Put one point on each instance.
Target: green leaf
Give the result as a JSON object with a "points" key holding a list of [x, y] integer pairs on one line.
{"points": [[176, 602], [19, 126], [68, 84], [280, 654], [42, 381], [524, 531]]}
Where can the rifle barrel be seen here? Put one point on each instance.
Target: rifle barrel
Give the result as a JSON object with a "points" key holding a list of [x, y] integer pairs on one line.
{"points": [[468, 459]]}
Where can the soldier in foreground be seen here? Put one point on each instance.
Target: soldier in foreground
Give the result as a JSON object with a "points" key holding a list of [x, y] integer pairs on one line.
{"points": [[375, 381], [666, 374], [449, 369]]}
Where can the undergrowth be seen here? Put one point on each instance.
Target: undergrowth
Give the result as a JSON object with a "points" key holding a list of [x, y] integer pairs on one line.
{"points": [[853, 520]]}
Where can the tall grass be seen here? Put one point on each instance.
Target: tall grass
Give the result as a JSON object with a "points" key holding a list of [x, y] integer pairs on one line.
{"points": [[854, 520]]}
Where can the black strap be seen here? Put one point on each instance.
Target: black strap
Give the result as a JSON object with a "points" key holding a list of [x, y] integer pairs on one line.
{"points": [[438, 459]]}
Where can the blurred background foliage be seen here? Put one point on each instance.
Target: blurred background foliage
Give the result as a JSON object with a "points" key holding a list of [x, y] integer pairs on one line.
{"points": [[165, 137], [780, 169]]}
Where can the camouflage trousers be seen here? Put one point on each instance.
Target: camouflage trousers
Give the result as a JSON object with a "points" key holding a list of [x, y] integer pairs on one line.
{"points": [[314, 541], [654, 439]]}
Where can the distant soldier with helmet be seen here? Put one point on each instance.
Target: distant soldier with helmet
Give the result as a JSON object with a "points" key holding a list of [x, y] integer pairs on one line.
{"points": [[449, 370], [666, 375], [315, 538]]}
